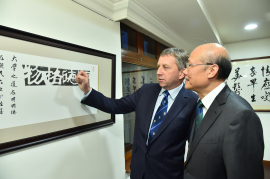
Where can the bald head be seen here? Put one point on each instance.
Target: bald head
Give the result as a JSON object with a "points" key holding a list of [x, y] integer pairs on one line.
{"points": [[216, 54]]}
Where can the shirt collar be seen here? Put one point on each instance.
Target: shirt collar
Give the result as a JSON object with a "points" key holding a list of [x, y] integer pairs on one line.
{"points": [[173, 92], [210, 97]]}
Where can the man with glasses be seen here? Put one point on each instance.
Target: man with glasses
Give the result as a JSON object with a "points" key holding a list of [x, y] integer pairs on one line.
{"points": [[226, 139], [163, 115]]}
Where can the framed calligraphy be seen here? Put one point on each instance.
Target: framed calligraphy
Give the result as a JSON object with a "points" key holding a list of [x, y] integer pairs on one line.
{"points": [[250, 78], [39, 98]]}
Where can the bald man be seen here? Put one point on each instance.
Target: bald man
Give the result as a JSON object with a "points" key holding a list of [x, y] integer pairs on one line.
{"points": [[226, 139]]}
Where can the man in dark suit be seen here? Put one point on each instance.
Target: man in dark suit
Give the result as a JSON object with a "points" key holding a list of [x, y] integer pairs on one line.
{"points": [[163, 115], [226, 140]]}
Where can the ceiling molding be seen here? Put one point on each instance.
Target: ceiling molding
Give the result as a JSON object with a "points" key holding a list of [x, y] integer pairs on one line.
{"points": [[130, 9], [145, 19], [120, 10], [209, 19]]}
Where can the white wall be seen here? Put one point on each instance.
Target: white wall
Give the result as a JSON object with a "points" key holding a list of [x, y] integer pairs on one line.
{"points": [[250, 49], [97, 154]]}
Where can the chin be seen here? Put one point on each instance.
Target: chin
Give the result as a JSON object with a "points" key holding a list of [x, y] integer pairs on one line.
{"points": [[187, 87]]}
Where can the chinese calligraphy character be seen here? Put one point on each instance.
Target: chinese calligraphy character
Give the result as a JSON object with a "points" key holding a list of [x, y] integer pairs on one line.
{"points": [[14, 58], [1, 57], [1, 73], [1, 82], [253, 82], [1, 89], [267, 71], [13, 99], [1, 110], [253, 72], [266, 84], [127, 82], [14, 66], [237, 75], [2, 65], [13, 92], [151, 80], [253, 98], [13, 84], [1, 103], [265, 97], [13, 76], [1, 96], [134, 80], [134, 88], [13, 105], [13, 112], [143, 79], [128, 90], [237, 88]]}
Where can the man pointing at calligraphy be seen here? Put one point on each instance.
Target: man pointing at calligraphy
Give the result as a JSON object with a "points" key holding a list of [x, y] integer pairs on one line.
{"points": [[163, 115]]}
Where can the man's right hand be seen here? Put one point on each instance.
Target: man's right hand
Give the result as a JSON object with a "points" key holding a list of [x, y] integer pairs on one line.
{"points": [[82, 79]]}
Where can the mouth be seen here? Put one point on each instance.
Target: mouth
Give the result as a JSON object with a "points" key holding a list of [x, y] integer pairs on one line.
{"points": [[160, 79]]}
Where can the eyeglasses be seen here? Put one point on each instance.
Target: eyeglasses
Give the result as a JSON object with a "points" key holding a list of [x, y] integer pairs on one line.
{"points": [[188, 64]]}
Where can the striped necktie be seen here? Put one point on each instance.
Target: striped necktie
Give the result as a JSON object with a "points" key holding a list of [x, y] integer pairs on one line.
{"points": [[159, 116], [199, 115]]}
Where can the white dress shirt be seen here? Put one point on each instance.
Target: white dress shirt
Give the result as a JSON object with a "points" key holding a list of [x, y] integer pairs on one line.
{"points": [[209, 98]]}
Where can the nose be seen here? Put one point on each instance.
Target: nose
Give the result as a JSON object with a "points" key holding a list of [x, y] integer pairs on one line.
{"points": [[159, 71], [185, 71]]}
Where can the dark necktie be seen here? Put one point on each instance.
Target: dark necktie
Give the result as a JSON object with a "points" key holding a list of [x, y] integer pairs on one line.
{"points": [[199, 115], [159, 116]]}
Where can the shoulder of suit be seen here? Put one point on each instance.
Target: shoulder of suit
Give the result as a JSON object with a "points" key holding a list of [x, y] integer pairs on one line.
{"points": [[238, 101]]}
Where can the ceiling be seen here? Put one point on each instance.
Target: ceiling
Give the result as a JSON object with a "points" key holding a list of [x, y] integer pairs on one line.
{"points": [[220, 21], [189, 23]]}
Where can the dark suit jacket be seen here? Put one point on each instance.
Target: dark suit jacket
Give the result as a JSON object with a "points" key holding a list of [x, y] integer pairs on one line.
{"points": [[164, 157], [229, 142]]}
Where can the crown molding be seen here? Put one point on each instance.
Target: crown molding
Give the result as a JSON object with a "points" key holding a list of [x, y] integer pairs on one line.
{"points": [[145, 19], [133, 11]]}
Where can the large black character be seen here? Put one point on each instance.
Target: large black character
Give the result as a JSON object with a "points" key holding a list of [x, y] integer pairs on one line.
{"points": [[253, 98], [253, 82], [266, 84], [1, 103], [267, 71], [1, 111], [143, 80], [1, 57], [1, 73], [236, 87], [265, 97], [237, 75], [253, 72]]}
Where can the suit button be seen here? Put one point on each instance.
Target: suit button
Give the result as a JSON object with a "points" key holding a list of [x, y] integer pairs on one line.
{"points": [[185, 170], [147, 156]]}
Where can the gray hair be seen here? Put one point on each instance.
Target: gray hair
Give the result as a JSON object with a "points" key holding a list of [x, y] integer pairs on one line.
{"points": [[181, 56]]}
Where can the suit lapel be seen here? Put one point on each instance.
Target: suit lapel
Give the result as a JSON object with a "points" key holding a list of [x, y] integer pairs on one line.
{"points": [[178, 105], [211, 115], [152, 98]]}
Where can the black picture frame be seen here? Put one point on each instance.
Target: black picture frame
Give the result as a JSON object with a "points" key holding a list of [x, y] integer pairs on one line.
{"points": [[40, 139]]}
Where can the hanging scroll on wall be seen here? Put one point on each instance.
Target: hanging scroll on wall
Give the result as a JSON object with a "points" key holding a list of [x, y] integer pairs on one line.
{"points": [[250, 78], [39, 98]]}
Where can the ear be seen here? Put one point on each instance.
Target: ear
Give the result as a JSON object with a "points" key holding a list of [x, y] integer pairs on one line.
{"points": [[181, 74], [213, 71]]}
